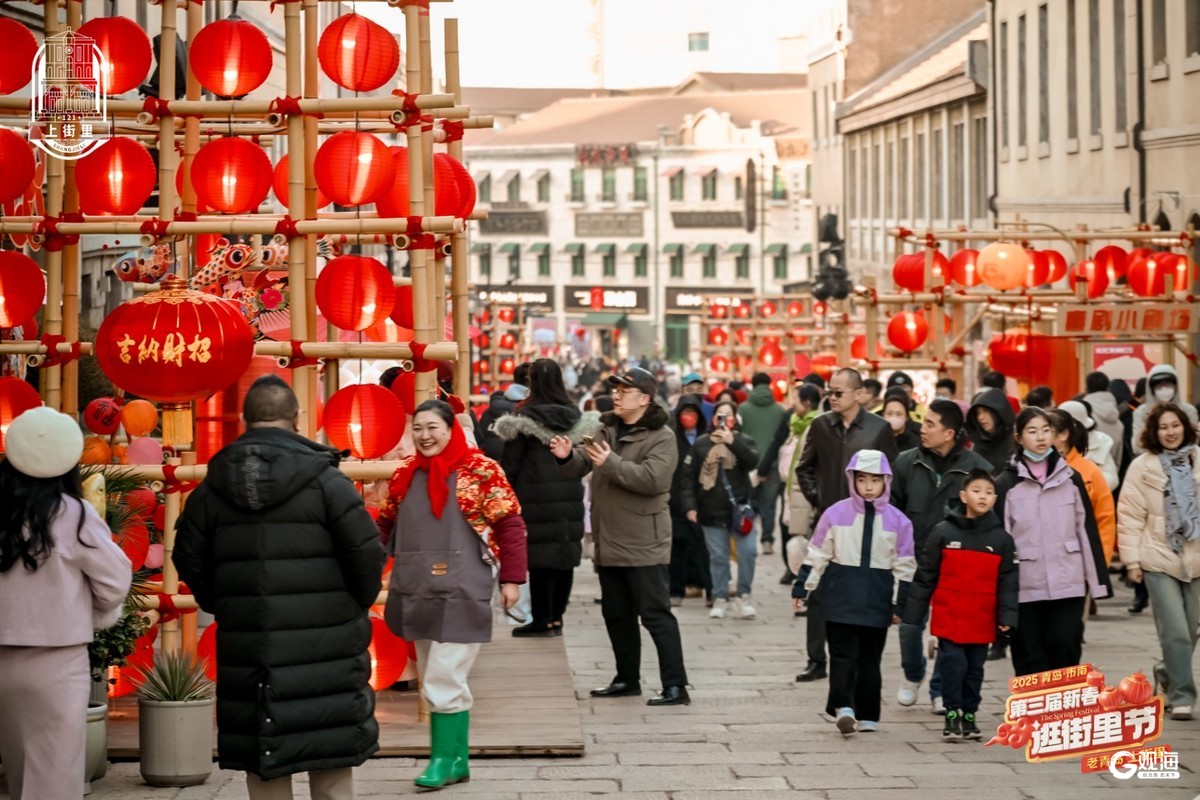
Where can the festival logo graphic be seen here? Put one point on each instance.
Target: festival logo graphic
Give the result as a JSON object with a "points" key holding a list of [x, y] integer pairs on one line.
{"points": [[69, 98]]}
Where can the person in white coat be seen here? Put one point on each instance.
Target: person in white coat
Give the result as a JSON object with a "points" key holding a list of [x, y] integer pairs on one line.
{"points": [[61, 578], [1106, 412], [1100, 446]]}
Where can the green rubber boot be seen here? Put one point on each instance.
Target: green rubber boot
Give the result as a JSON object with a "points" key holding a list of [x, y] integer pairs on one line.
{"points": [[447, 731], [462, 767]]}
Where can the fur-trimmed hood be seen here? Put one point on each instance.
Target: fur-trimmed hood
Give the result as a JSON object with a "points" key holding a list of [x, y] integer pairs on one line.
{"points": [[655, 417], [545, 422]]}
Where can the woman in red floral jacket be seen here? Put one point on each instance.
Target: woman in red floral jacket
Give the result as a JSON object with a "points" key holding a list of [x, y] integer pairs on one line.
{"points": [[445, 556]]}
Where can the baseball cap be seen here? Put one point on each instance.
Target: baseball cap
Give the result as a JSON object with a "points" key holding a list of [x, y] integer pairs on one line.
{"points": [[636, 378], [692, 377], [1080, 412], [899, 379]]}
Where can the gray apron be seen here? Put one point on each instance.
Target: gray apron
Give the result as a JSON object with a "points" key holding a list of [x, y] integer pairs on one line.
{"points": [[441, 588]]}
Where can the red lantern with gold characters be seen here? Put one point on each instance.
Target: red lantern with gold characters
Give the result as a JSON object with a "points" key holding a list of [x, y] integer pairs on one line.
{"points": [[357, 53], [174, 346], [366, 419], [126, 50], [353, 168], [17, 157], [16, 57], [232, 175], [355, 291], [117, 177], [1003, 265], [16, 397], [1091, 272], [908, 330], [22, 288], [230, 57]]}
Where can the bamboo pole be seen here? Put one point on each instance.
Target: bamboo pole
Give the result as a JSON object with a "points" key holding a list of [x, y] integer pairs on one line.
{"points": [[387, 104], [51, 377], [170, 583], [191, 125], [188, 624], [1130, 235], [263, 226], [459, 258], [871, 322], [312, 86], [437, 351], [239, 127], [71, 266], [423, 294]]}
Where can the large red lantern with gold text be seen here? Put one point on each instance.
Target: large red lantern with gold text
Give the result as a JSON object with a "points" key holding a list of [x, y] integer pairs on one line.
{"points": [[353, 168], [452, 196], [1003, 265], [279, 184], [909, 271], [126, 50], [358, 54], [366, 419], [16, 57], [232, 175], [230, 57], [16, 397], [173, 346], [22, 288], [355, 291], [1091, 272], [117, 177], [19, 166], [908, 330]]}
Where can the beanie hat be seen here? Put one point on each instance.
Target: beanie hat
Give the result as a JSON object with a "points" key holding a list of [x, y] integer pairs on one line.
{"points": [[42, 443]]}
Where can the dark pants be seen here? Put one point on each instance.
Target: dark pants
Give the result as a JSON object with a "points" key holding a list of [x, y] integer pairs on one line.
{"points": [[549, 592], [1049, 635], [784, 536], [855, 652], [962, 673], [689, 558], [766, 503], [627, 593], [814, 624]]}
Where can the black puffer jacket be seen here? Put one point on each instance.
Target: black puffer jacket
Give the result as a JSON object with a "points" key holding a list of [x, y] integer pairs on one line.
{"points": [[691, 401], [498, 406], [276, 543], [551, 501], [712, 505], [998, 446]]}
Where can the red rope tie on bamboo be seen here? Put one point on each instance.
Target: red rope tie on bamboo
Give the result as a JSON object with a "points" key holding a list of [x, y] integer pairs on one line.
{"points": [[54, 356], [453, 130], [172, 484], [155, 227], [156, 107], [48, 230], [297, 359], [290, 106], [412, 112], [423, 241], [186, 216], [903, 233], [420, 363], [287, 227]]}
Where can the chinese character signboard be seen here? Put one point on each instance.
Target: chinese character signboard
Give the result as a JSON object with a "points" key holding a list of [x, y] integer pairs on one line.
{"points": [[1083, 319], [1070, 713], [695, 300], [541, 297], [629, 299], [69, 96], [606, 155], [527, 222], [609, 224], [707, 219]]}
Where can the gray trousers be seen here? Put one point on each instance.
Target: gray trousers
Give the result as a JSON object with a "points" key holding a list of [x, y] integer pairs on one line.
{"points": [[1176, 607], [43, 708], [326, 784]]}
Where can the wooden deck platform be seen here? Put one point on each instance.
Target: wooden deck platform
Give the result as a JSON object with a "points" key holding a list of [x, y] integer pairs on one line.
{"points": [[524, 706]]}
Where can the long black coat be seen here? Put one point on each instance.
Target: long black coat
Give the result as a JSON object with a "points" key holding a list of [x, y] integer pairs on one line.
{"points": [[692, 401], [276, 543], [551, 500], [712, 506]]}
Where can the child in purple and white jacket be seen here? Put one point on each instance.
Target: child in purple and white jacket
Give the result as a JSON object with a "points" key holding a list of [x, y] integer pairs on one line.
{"points": [[861, 560]]}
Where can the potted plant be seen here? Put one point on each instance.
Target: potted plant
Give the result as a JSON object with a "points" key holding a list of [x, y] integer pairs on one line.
{"points": [[175, 721]]}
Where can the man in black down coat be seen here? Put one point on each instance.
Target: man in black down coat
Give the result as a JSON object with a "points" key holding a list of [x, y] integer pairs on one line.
{"points": [[689, 554], [276, 543]]}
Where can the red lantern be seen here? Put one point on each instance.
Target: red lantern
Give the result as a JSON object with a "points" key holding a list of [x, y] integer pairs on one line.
{"points": [[353, 292], [16, 57], [819, 308], [141, 503], [717, 311], [139, 418], [506, 315], [17, 158], [126, 679], [770, 355], [389, 655], [907, 331], [858, 348], [909, 271], [116, 178], [279, 184], [481, 367], [230, 57], [964, 268], [173, 346], [402, 307], [1095, 679], [1058, 265], [1148, 276], [454, 194], [1113, 260], [385, 329], [741, 311], [801, 366], [767, 309], [1003, 265], [795, 308], [126, 50], [744, 336], [1090, 271], [22, 288], [718, 337], [365, 419], [484, 341], [718, 364], [354, 168], [16, 397], [102, 416], [232, 175], [508, 341], [358, 54], [1135, 689], [1109, 698], [824, 364], [1038, 271], [206, 651], [507, 366], [799, 336], [134, 539]]}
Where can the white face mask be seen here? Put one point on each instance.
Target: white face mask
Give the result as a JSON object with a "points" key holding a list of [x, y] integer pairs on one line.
{"points": [[1165, 393]]}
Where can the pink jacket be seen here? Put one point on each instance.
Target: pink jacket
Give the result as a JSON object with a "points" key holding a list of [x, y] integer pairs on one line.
{"points": [[79, 588]]}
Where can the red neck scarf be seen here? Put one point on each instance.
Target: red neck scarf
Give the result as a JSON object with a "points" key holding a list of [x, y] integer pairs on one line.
{"points": [[439, 468]]}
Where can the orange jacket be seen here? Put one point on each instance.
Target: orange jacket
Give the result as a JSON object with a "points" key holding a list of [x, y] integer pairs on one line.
{"points": [[1101, 499]]}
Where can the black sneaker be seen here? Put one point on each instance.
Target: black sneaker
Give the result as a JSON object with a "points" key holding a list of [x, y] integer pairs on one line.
{"points": [[953, 727], [969, 729], [997, 652]]}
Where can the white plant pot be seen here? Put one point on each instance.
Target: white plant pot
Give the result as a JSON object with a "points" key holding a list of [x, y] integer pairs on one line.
{"points": [[95, 760], [176, 742]]}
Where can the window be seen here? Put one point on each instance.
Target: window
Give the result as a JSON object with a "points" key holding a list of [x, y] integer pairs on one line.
{"points": [[780, 260], [739, 190], [577, 185], [708, 186], [937, 190], [919, 177], [677, 264], [709, 262], [889, 179], [676, 186], [485, 264], [778, 186], [1043, 73], [957, 177], [640, 192], [902, 181], [544, 264], [816, 121], [979, 167], [640, 263], [485, 189], [608, 185], [514, 263], [609, 264], [1093, 46], [1158, 31], [1119, 99], [1072, 74], [741, 264], [678, 337], [514, 189], [698, 42], [1193, 28], [577, 267], [1022, 86], [852, 182], [543, 189], [876, 178], [1004, 98]]}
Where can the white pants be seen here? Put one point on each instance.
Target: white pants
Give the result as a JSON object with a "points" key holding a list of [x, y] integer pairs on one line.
{"points": [[444, 668], [326, 784]]}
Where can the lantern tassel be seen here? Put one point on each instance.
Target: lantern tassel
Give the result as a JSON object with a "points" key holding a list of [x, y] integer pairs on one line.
{"points": [[177, 424]]}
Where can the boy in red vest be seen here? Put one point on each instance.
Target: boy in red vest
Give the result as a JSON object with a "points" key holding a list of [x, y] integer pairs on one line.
{"points": [[969, 573]]}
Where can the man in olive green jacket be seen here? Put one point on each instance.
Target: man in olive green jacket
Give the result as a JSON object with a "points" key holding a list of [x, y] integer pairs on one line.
{"points": [[632, 461]]}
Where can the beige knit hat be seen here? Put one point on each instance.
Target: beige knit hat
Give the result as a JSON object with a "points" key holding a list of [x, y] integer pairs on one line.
{"points": [[42, 443]]}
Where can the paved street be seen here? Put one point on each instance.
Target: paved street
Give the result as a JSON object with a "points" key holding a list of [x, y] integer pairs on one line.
{"points": [[752, 732]]}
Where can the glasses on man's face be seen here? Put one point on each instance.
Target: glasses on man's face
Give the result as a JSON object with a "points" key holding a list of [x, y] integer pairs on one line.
{"points": [[624, 392], [837, 394]]}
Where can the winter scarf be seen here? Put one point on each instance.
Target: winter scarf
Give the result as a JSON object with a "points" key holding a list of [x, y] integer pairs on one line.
{"points": [[798, 425], [1183, 515], [439, 468], [720, 456]]}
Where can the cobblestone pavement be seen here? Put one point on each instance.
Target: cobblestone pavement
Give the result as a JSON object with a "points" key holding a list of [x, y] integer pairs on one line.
{"points": [[752, 732]]}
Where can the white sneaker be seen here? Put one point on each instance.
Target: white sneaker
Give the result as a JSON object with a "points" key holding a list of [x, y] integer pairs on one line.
{"points": [[937, 707], [1181, 712], [907, 695], [744, 609], [768, 548], [868, 726], [846, 723], [718, 608]]}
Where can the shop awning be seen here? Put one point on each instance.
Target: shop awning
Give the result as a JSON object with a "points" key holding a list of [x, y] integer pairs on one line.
{"points": [[606, 249], [508, 177], [637, 248], [672, 249], [805, 248], [481, 176], [739, 249], [537, 176], [481, 247], [604, 319], [776, 250], [510, 247], [704, 172], [539, 248], [671, 172], [574, 248], [705, 249]]}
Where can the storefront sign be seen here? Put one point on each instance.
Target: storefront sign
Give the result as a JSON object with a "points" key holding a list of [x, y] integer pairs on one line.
{"points": [[539, 296], [1125, 362], [787, 147], [707, 219], [1080, 319], [527, 222], [628, 299], [609, 224], [606, 155], [690, 300]]}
